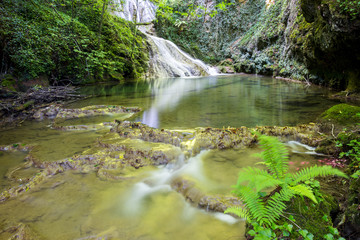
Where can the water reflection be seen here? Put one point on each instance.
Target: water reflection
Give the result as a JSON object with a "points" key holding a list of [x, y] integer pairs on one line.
{"points": [[236, 101], [216, 101], [169, 93]]}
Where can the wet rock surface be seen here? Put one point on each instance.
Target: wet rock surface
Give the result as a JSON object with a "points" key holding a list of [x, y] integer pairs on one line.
{"points": [[19, 231], [129, 146], [207, 202], [215, 138]]}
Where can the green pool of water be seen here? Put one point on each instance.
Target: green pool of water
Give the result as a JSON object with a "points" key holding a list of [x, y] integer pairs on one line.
{"points": [[216, 101], [81, 206]]}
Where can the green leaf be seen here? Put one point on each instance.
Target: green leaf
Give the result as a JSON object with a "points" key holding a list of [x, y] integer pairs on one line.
{"points": [[285, 233], [333, 230], [289, 227], [303, 232], [328, 236], [304, 190]]}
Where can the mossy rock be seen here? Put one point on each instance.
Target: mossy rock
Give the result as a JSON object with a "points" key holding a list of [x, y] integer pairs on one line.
{"points": [[353, 201], [343, 113], [315, 218]]}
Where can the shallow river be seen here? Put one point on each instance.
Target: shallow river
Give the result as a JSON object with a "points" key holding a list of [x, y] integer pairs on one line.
{"points": [[81, 206]]}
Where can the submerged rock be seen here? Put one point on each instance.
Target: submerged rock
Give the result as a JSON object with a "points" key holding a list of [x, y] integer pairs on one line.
{"points": [[194, 195], [16, 147], [56, 111], [20, 231], [141, 131]]}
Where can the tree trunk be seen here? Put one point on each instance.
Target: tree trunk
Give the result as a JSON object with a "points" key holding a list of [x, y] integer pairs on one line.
{"points": [[101, 21]]}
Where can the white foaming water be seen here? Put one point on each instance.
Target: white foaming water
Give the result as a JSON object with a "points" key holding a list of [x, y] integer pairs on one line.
{"points": [[139, 192], [297, 147], [160, 181], [225, 218], [144, 10], [168, 60]]}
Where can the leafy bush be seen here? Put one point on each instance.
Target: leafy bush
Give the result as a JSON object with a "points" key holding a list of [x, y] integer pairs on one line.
{"points": [[350, 7], [63, 40]]}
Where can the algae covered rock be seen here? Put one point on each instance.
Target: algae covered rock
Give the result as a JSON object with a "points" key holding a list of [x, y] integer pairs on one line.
{"points": [[58, 112], [343, 114]]}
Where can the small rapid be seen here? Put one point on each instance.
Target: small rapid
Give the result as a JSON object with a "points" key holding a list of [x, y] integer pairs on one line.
{"points": [[160, 182]]}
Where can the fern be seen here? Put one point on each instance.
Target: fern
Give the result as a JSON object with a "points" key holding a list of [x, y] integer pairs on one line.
{"points": [[315, 171], [304, 190], [275, 155], [239, 211], [257, 178], [252, 181]]}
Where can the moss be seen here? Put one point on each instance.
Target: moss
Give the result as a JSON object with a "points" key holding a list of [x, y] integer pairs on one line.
{"points": [[353, 82], [343, 114], [25, 105], [9, 82], [352, 212], [315, 218]]}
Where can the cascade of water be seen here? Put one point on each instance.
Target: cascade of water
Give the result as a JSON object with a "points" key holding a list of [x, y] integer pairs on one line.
{"points": [[297, 147], [143, 9], [166, 59]]}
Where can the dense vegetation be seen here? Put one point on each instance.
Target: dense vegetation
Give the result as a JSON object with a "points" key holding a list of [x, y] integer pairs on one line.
{"points": [[266, 212], [67, 41], [312, 41], [207, 31]]}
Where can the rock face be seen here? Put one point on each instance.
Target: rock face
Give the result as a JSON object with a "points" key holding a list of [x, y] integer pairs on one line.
{"points": [[313, 41]]}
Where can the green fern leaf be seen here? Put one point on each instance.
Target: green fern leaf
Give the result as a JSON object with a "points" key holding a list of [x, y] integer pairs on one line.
{"points": [[304, 190], [275, 155], [239, 211], [315, 171], [257, 178]]}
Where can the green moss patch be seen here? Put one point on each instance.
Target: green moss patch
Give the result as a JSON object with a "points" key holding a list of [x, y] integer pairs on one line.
{"points": [[343, 114]]}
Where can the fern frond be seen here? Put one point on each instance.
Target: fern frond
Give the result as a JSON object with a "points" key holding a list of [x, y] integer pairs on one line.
{"points": [[275, 155], [315, 171], [252, 201], [257, 178], [304, 190], [276, 204], [239, 211]]}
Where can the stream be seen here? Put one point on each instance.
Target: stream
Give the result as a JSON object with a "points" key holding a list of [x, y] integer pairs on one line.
{"points": [[73, 205]]}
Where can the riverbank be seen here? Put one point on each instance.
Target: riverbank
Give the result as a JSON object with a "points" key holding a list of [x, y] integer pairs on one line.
{"points": [[16, 107]]}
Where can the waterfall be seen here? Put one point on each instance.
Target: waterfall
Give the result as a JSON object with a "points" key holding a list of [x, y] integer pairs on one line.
{"points": [[145, 10], [166, 59]]}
